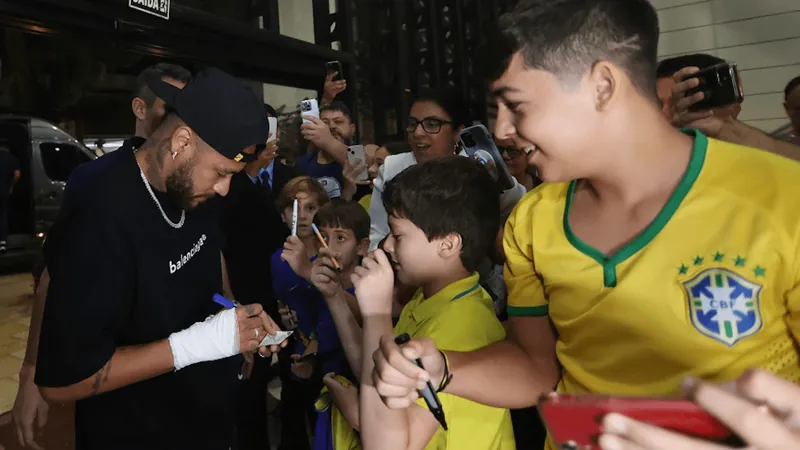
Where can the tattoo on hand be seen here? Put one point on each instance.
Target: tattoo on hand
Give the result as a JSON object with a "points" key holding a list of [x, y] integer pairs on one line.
{"points": [[250, 310], [101, 378]]}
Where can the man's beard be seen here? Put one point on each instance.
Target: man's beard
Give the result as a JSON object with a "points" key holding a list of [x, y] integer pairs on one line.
{"points": [[179, 186]]}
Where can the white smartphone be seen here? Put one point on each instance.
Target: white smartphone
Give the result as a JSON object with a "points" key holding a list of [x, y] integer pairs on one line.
{"points": [[273, 129], [309, 107], [275, 340], [294, 218], [357, 156]]}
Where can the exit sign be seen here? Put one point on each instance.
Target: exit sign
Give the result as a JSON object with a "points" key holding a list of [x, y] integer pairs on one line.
{"points": [[158, 8]]}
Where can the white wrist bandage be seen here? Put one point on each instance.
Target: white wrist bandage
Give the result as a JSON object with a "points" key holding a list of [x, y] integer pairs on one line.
{"points": [[214, 339]]}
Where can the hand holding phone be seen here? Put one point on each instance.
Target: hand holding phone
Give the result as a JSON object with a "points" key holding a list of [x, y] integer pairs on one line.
{"points": [[356, 156], [309, 107], [721, 86], [334, 67], [479, 145], [574, 420]]}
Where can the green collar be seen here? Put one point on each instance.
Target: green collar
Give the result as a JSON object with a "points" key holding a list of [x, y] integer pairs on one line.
{"points": [[610, 263], [426, 308]]}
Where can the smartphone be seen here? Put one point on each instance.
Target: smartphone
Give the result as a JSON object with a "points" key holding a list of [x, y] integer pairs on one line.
{"points": [[721, 85], [479, 145], [275, 340], [273, 128], [334, 66], [309, 107], [574, 421], [356, 156], [305, 357]]}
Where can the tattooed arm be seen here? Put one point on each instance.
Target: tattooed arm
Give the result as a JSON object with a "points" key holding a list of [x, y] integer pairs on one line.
{"points": [[128, 365]]}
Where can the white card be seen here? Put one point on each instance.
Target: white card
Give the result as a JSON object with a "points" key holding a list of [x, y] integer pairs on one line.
{"points": [[275, 340]]}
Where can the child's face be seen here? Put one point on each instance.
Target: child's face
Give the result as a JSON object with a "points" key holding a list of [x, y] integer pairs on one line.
{"points": [[413, 257], [563, 123], [344, 242], [307, 206]]}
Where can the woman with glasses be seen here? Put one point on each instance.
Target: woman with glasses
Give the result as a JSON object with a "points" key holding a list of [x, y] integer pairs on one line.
{"points": [[517, 162], [433, 124]]}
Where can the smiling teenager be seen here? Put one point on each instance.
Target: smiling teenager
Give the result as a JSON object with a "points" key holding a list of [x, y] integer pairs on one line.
{"points": [[649, 254]]}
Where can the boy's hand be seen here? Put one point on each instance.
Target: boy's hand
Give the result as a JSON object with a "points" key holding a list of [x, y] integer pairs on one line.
{"points": [[324, 275], [304, 369], [288, 318], [374, 283], [294, 253]]}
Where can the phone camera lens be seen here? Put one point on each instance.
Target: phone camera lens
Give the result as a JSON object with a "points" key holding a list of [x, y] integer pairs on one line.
{"points": [[468, 140]]}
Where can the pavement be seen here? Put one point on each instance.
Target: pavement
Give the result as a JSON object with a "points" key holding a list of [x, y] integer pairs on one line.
{"points": [[16, 302]]}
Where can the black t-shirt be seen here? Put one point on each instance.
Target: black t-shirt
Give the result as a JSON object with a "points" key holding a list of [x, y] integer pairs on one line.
{"points": [[80, 180], [125, 277]]}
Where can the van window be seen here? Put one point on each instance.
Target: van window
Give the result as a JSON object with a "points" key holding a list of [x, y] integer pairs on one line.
{"points": [[60, 159]]}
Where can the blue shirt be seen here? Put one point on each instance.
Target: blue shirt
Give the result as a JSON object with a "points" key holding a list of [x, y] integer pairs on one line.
{"points": [[329, 175], [330, 346]]}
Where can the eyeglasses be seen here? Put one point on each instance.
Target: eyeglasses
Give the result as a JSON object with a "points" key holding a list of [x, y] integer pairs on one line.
{"points": [[512, 152], [431, 125]]}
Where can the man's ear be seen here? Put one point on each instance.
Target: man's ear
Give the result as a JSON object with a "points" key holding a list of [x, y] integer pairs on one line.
{"points": [[352, 128], [182, 140], [605, 80], [450, 246], [139, 108]]}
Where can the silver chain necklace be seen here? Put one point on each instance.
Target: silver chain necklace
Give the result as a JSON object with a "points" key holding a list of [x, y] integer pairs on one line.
{"points": [[163, 214]]}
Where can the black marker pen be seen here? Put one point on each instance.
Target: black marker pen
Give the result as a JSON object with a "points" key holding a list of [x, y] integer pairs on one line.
{"points": [[428, 392]]}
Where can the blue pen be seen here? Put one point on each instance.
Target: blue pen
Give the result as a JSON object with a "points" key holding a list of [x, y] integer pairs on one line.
{"points": [[222, 301]]}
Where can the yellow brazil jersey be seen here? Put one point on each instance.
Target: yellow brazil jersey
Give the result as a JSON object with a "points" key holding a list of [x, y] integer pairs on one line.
{"points": [[708, 289], [461, 317], [364, 202]]}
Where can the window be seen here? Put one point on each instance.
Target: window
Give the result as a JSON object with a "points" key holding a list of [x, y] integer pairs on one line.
{"points": [[60, 159]]}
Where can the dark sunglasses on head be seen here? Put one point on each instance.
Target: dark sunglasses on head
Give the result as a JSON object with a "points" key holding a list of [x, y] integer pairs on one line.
{"points": [[431, 125]]}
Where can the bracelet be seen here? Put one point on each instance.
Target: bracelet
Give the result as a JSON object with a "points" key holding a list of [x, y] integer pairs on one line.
{"points": [[447, 377]]}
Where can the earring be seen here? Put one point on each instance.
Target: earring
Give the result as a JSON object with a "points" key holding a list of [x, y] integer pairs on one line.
{"points": [[174, 154]]}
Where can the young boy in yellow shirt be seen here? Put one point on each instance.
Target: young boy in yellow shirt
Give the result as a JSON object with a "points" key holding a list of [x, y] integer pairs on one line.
{"points": [[443, 216]]}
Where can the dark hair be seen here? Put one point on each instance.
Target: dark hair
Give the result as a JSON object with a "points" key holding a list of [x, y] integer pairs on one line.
{"points": [[270, 111], [794, 84], [298, 185], [450, 100], [339, 213], [337, 106], [397, 147], [567, 37], [161, 70], [668, 67], [449, 195]]}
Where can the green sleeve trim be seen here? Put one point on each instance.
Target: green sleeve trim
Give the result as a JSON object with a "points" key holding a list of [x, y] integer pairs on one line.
{"points": [[528, 311]]}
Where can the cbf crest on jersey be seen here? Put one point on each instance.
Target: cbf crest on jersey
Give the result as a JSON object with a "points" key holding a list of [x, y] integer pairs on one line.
{"points": [[723, 305]]}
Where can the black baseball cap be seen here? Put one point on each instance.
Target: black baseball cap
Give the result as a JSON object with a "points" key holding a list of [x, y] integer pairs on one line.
{"points": [[224, 112]]}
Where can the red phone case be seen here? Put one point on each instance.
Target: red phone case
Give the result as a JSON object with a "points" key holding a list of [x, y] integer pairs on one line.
{"points": [[574, 421]]}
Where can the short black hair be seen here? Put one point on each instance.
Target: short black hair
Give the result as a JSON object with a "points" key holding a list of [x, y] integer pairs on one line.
{"points": [[270, 111], [449, 195], [338, 106], [339, 213], [450, 100], [794, 84], [567, 37], [397, 147], [161, 70], [668, 67]]}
